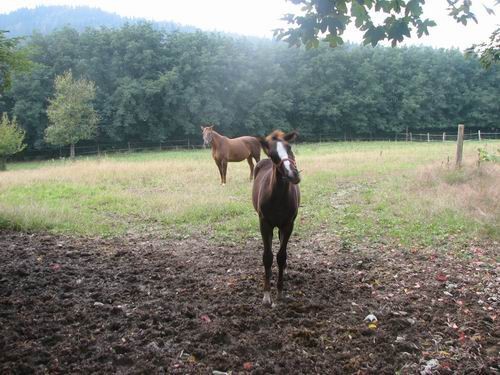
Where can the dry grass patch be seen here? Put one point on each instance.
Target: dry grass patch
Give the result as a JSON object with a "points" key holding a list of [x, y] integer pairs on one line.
{"points": [[472, 191]]}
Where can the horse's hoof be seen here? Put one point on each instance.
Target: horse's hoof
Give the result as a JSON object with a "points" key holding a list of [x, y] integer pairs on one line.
{"points": [[267, 299], [285, 298]]}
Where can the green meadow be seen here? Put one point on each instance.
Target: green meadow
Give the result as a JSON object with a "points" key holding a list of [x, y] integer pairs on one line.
{"points": [[405, 193]]}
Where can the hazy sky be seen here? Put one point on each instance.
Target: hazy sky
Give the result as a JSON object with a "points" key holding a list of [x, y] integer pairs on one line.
{"points": [[260, 17]]}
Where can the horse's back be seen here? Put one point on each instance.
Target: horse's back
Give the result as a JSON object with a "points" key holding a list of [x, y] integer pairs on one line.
{"points": [[261, 173], [261, 168], [243, 147]]}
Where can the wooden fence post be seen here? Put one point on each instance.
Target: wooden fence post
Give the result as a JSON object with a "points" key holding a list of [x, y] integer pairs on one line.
{"points": [[407, 134], [479, 135], [128, 143], [460, 146], [428, 137], [444, 136], [411, 137]]}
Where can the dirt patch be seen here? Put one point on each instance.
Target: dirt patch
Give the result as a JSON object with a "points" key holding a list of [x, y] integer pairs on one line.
{"points": [[142, 305]]}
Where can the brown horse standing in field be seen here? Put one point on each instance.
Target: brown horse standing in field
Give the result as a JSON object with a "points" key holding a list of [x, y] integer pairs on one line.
{"points": [[226, 150], [276, 198]]}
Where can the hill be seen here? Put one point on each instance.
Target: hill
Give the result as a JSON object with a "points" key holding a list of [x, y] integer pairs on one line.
{"points": [[45, 19]]}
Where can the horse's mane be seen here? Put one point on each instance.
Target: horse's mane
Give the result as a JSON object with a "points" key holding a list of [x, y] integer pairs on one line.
{"points": [[277, 134]]}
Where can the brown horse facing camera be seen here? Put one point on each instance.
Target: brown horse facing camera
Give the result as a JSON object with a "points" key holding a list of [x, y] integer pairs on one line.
{"points": [[276, 198], [226, 150]]}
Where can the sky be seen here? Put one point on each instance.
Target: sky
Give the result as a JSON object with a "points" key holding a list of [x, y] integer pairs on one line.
{"points": [[260, 17]]}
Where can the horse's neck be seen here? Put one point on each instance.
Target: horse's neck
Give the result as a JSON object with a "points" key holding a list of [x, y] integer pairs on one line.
{"points": [[279, 186], [216, 139]]}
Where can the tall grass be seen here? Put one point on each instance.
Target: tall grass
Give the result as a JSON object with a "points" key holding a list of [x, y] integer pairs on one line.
{"points": [[381, 190]]}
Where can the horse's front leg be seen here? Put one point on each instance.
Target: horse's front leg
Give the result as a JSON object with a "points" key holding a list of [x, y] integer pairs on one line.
{"points": [[219, 165], [224, 170], [267, 238], [285, 233]]}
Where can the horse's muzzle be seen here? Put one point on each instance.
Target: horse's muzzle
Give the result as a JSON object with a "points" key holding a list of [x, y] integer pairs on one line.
{"points": [[295, 179]]}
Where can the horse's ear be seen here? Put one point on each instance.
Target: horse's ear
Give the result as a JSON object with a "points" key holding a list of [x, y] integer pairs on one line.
{"points": [[290, 137], [264, 144], [202, 128]]}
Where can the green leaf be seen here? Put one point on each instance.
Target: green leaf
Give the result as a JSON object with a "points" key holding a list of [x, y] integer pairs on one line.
{"points": [[374, 35], [334, 40]]}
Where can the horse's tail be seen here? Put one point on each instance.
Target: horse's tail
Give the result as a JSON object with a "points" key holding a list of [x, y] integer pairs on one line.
{"points": [[255, 148]]}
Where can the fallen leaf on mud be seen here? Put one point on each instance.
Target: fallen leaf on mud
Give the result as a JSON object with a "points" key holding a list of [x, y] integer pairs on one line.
{"points": [[441, 277], [205, 318], [461, 337], [184, 356], [248, 366], [372, 326], [429, 367], [153, 347]]}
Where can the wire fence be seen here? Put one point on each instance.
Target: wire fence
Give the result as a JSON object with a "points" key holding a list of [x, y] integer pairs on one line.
{"points": [[448, 137], [104, 148]]}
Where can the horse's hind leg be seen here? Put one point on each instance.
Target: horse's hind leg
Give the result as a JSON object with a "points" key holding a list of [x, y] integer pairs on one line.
{"points": [[267, 258], [250, 163], [285, 234]]}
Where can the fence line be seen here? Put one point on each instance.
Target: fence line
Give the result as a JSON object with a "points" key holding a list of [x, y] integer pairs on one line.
{"points": [[188, 144]]}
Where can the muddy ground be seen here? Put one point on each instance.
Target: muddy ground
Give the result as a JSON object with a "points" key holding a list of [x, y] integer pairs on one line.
{"points": [[150, 306]]}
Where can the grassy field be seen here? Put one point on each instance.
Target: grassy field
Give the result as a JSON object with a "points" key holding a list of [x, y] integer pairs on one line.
{"points": [[378, 191]]}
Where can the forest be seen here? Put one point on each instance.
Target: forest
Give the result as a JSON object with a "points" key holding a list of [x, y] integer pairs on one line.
{"points": [[153, 86]]}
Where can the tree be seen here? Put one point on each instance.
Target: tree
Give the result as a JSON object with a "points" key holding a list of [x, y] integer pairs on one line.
{"points": [[12, 59], [153, 86], [11, 139], [489, 52], [71, 113], [330, 18]]}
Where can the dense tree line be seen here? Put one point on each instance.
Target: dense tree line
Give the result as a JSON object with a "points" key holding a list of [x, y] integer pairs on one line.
{"points": [[154, 86]]}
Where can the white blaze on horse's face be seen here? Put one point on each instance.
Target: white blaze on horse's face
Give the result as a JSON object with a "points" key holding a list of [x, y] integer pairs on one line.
{"points": [[283, 154]]}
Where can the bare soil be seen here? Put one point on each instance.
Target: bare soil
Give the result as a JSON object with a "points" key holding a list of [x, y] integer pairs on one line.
{"points": [[143, 305]]}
